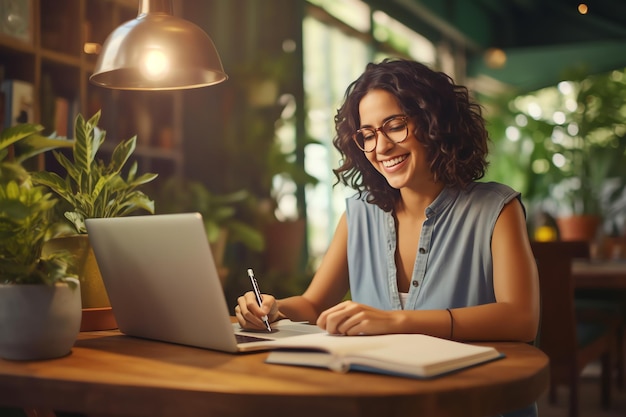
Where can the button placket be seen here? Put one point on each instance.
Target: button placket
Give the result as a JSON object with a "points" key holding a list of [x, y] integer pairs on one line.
{"points": [[421, 261]]}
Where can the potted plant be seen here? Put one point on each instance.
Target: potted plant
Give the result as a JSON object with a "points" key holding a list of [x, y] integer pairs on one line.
{"points": [[263, 152], [594, 168], [270, 141], [40, 306], [93, 189], [576, 169], [219, 213], [285, 225]]}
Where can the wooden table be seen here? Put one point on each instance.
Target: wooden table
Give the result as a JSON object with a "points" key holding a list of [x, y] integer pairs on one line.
{"points": [[108, 373], [599, 274]]}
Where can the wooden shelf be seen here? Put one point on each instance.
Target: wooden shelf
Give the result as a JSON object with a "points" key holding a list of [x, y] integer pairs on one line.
{"points": [[15, 44], [55, 64], [60, 57]]}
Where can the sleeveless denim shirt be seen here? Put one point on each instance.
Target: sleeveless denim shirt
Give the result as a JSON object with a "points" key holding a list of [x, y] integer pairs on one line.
{"points": [[453, 267]]}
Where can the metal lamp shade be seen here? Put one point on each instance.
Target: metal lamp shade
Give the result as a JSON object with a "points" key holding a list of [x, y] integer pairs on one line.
{"points": [[158, 51]]}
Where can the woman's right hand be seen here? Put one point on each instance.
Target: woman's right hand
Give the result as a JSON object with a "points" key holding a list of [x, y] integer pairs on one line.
{"points": [[249, 313]]}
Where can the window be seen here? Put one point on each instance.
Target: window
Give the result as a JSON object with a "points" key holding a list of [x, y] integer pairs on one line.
{"points": [[339, 39]]}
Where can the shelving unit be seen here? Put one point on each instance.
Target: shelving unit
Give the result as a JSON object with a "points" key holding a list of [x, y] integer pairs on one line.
{"points": [[53, 59]]}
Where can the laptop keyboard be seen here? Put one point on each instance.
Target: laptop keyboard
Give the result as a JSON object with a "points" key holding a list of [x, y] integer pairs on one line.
{"points": [[242, 338]]}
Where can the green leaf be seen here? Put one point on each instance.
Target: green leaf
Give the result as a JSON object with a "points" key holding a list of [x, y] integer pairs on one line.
{"points": [[36, 144], [55, 183], [73, 171], [13, 209], [241, 232], [143, 179], [91, 187], [121, 153], [77, 220], [16, 133], [212, 231], [135, 201], [87, 142]]}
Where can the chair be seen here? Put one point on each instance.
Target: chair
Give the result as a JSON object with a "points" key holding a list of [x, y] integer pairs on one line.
{"points": [[570, 343], [604, 304]]}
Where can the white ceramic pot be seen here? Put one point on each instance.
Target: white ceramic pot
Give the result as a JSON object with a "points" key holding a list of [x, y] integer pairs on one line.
{"points": [[38, 321]]}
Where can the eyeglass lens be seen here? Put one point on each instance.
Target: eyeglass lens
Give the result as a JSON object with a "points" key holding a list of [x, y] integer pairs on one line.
{"points": [[395, 129]]}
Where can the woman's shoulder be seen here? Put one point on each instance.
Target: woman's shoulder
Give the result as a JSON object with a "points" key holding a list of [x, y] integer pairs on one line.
{"points": [[486, 196], [358, 204], [357, 199], [483, 190]]}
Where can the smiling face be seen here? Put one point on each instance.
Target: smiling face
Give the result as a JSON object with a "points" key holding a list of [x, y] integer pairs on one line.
{"points": [[404, 164]]}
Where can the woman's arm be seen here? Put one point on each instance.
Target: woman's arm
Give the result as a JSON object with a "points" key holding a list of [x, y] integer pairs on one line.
{"points": [[328, 287], [515, 315]]}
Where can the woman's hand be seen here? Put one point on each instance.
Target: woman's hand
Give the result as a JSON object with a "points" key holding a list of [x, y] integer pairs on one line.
{"points": [[350, 318], [249, 313]]}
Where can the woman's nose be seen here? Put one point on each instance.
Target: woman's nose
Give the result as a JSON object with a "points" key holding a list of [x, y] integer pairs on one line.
{"points": [[383, 144]]}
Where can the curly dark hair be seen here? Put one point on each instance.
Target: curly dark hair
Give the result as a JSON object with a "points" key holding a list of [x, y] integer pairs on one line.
{"points": [[445, 120]]}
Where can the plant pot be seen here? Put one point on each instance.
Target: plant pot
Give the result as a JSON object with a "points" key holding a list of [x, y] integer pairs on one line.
{"points": [[284, 245], [38, 321], [613, 247], [97, 312], [578, 228]]}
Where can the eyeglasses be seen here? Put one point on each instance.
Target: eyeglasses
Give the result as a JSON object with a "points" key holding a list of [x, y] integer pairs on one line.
{"points": [[395, 129]]}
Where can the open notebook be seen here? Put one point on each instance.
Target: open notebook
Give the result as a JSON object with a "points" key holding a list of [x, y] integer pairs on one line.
{"points": [[162, 282], [407, 355]]}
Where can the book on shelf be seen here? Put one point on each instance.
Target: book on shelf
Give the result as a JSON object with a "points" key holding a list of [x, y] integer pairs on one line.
{"points": [[61, 116], [18, 104], [407, 355]]}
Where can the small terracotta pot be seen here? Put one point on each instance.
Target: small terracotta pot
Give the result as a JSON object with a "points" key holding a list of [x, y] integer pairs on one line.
{"points": [[578, 228]]}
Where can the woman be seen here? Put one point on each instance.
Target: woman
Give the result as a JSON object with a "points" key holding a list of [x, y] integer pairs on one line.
{"points": [[422, 236], [422, 247]]}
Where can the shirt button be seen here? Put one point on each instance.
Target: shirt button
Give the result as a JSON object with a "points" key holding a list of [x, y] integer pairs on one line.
{"points": [[422, 251], [415, 283]]}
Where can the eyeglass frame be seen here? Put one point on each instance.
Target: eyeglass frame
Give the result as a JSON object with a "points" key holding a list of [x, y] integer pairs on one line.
{"points": [[380, 129]]}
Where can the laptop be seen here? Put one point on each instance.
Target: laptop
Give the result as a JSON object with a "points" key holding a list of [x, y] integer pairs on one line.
{"points": [[159, 274]]}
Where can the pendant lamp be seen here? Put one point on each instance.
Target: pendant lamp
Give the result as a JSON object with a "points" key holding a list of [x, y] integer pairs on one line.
{"points": [[157, 51]]}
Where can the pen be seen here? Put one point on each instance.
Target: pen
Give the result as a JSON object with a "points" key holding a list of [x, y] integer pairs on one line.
{"points": [[259, 300]]}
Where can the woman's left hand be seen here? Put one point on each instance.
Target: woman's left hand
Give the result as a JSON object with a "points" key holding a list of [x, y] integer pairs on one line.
{"points": [[350, 318]]}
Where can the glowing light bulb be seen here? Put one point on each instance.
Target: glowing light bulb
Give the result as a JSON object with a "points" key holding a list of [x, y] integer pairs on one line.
{"points": [[155, 65], [495, 58]]}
